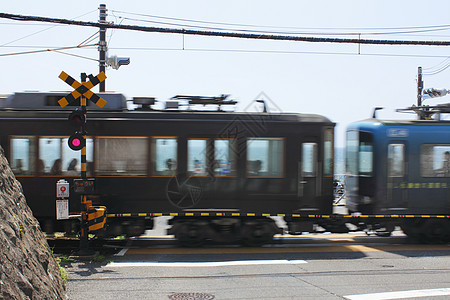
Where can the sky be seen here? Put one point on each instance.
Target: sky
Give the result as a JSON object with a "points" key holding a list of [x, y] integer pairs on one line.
{"points": [[343, 82]]}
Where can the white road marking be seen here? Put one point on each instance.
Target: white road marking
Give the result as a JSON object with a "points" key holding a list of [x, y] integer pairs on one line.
{"points": [[401, 294], [122, 252], [205, 264]]}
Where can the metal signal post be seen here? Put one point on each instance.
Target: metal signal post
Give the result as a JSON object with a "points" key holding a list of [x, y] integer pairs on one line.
{"points": [[84, 238]]}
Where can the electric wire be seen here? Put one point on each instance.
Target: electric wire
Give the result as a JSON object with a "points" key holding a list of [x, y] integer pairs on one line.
{"points": [[277, 52], [227, 34], [113, 31], [76, 55], [412, 29], [48, 50], [45, 29], [437, 71], [89, 39], [290, 32], [438, 65]]}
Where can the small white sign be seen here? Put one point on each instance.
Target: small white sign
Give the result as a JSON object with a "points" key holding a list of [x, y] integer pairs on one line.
{"points": [[62, 209], [62, 189]]}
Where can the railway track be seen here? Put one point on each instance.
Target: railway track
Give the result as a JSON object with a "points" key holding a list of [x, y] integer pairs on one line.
{"points": [[67, 246]]}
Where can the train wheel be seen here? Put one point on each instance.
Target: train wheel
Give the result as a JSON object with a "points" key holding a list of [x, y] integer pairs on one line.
{"points": [[412, 230], [190, 235], [435, 232], [256, 234]]}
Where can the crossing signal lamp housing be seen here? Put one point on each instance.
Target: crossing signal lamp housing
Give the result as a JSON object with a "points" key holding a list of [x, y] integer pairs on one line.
{"points": [[77, 117], [77, 141]]}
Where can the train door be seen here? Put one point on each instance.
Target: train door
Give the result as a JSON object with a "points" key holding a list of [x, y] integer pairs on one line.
{"points": [[308, 175], [396, 177]]}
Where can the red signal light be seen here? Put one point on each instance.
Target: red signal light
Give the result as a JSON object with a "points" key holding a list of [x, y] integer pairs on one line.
{"points": [[76, 141]]}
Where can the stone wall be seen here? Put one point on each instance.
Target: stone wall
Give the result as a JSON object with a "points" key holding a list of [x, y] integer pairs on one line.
{"points": [[28, 269]]}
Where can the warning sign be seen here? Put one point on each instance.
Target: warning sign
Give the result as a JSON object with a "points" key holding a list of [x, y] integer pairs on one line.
{"points": [[62, 189], [62, 209]]}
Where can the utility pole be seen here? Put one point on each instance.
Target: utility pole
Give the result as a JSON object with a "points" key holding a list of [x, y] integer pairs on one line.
{"points": [[102, 48], [419, 91]]}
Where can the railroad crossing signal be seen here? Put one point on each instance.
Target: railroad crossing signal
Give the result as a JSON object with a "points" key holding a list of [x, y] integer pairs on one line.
{"points": [[82, 89], [93, 218]]}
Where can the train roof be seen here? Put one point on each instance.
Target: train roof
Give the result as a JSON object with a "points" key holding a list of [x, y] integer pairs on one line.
{"points": [[38, 105], [421, 129], [49, 101], [372, 122]]}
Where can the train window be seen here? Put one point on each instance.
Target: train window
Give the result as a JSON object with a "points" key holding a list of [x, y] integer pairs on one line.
{"points": [[328, 152], [396, 160], [309, 159], [365, 154], [351, 156], [197, 157], [23, 150], [435, 160], [164, 156], [265, 157], [224, 157], [122, 156], [56, 158]]}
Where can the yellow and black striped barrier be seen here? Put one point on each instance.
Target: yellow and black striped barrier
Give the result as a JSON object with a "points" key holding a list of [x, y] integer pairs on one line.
{"points": [[96, 218], [293, 215]]}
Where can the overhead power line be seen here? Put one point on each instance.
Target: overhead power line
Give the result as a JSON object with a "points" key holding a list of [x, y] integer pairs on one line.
{"points": [[348, 30], [54, 50], [441, 28], [224, 34]]}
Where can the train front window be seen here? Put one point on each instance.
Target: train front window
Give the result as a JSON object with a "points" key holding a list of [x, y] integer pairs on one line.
{"points": [[359, 153], [265, 157], [164, 156], [56, 158], [197, 157], [396, 160], [365, 154], [23, 150], [224, 157], [351, 157], [435, 160], [121, 156]]}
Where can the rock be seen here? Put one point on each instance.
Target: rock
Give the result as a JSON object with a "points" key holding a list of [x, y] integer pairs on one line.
{"points": [[28, 269]]}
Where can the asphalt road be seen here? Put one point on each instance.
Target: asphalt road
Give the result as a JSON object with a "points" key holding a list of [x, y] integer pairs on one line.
{"points": [[347, 266]]}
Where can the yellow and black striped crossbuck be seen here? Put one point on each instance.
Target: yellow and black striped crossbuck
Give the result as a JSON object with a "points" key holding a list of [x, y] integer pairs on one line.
{"points": [[82, 89]]}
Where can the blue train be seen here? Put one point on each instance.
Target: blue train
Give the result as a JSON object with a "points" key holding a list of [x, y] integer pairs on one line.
{"points": [[401, 169]]}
